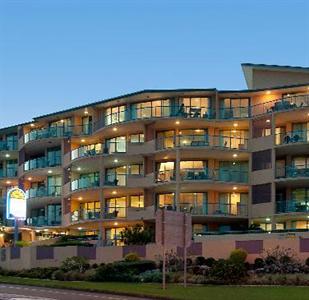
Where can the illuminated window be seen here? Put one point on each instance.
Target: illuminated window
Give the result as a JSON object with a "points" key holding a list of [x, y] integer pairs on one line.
{"points": [[137, 201]]}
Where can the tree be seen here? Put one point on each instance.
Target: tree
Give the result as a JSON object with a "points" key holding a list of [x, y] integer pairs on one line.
{"points": [[137, 235]]}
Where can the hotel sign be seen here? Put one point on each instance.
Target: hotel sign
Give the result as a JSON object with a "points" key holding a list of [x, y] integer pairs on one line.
{"points": [[16, 207]]}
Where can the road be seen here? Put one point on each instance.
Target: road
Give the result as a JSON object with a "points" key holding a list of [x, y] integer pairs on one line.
{"points": [[22, 292]]}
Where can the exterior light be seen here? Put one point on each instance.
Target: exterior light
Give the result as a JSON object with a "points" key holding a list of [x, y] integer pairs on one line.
{"points": [[116, 223], [49, 171], [235, 155], [46, 230], [1, 235], [267, 121], [62, 121], [115, 129], [115, 160], [268, 92], [197, 130], [235, 124], [83, 140], [7, 155], [79, 228], [234, 163], [114, 192], [8, 182], [165, 157], [80, 198], [29, 178], [267, 219], [177, 122], [86, 112], [79, 168], [37, 231], [234, 188], [32, 125]]}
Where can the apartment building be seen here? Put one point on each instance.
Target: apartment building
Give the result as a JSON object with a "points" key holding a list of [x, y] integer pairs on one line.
{"points": [[230, 158]]}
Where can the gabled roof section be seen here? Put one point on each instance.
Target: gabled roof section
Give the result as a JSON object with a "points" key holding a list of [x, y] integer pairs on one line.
{"points": [[261, 75]]}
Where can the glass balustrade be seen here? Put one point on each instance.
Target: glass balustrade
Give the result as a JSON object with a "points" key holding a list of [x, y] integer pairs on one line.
{"points": [[291, 206], [8, 172], [8, 145], [116, 179], [84, 183], [42, 162], [292, 171], [85, 215], [50, 191], [86, 151], [234, 112], [292, 137]]}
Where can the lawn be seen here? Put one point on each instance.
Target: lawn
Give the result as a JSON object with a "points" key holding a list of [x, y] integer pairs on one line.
{"points": [[174, 291]]}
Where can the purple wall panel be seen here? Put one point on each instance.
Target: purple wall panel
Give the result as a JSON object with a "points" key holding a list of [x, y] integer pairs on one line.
{"points": [[195, 249], [252, 247], [15, 253], [304, 245], [87, 252], [139, 250], [44, 253]]}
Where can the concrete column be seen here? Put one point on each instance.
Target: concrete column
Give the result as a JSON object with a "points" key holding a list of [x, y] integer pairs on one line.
{"points": [[177, 168]]}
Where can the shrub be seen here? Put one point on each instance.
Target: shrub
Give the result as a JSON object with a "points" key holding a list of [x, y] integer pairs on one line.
{"points": [[90, 274], [41, 273], [307, 262], [210, 261], [151, 276], [200, 261], [74, 276], [225, 271], [22, 244], [238, 256], [259, 263], [132, 257], [58, 275], [196, 279], [137, 235], [75, 263]]}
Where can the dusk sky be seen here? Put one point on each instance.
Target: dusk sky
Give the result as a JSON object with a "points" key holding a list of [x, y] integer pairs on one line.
{"points": [[59, 54]]}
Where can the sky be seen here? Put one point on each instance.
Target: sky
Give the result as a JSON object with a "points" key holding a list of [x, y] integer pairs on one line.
{"points": [[57, 54]]}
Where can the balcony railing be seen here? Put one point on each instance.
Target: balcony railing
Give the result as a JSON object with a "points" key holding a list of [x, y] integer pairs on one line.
{"points": [[8, 172], [8, 145], [51, 132], [292, 137], [85, 152], [42, 162], [283, 104], [42, 221], [291, 206], [116, 179], [196, 140], [84, 183], [234, 112], [50, 191], [292, 171], [85, 215]]}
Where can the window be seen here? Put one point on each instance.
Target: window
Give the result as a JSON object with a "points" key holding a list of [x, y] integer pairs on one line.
{"points": [[300, 224], [234, 139], [116, 145], [234, 108], [115, 115], [165, 200], [196, 107], [193, 137], [166, 139], [136, 169], [233, 203], [261, 160], [302, 131], [195, 203], [87, 150], [165, 171], [116, 206], [53, 157], [137, 138], [53, 215], [86, 125], [137, 201], [54, 184], [261, 193], [150, 109], [113, 236], [116, 176], [261, 127]]}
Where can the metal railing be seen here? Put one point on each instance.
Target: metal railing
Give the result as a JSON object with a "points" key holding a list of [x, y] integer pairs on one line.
{"points": [[8, 172], [50, 191], [84, 183], [42, 221], [282, 104], [84, 151], [8, 145], [292, 171], [290, 206], [42, 162], [292, 137], [234, 112], [85, 215], [196, 140]]}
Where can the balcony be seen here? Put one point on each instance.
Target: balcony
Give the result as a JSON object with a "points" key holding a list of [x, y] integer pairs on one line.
{"points": [[42, 221], [216, 209], [283, 104], [84, 183], [45, 133], [165, 176], [8, 145], [229, 113], [50, 191], [195, 140], [292, 137], [8, 172], [85, 215], [42, 162], [292, 172], [292, 206], [128, 180], [85, 151], [221, 174]]}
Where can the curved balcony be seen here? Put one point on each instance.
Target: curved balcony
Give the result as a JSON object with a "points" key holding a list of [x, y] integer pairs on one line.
{"points": [[42, 162], [128, 180], [50, 191], [41, 221], [282, 104], [84, 183], [197, 140], [234, 113], [86, 151], [292, 137], [85, 215], [292, 206], [8, 172]]}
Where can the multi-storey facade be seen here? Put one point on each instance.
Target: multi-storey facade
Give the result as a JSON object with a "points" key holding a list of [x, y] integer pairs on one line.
{"points": [[230, 158]]}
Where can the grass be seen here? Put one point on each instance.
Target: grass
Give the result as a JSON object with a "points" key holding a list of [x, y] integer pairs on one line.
{"points": [[173, 291]]}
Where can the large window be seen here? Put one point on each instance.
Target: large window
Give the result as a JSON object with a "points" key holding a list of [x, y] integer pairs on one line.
{"points": [[195, 203], [193, 137], [53, 157], [165, 200], [137, 201], [233, 203], [53, 214], [116, 145], [165, 171], [261, 160], [234, 139], [234, 108], [54, 184], [115, 115], [166, 139], [117, 207], [261, 193], [150, 109], [301, 132]]}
